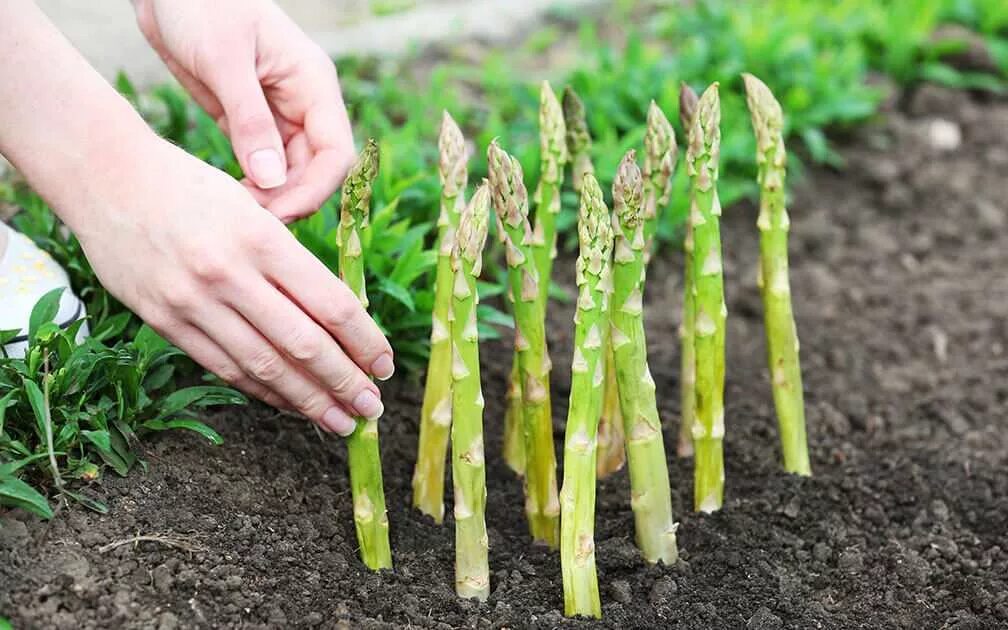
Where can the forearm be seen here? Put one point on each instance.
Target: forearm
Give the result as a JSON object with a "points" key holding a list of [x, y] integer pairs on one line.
{"points": [[64, 127]]}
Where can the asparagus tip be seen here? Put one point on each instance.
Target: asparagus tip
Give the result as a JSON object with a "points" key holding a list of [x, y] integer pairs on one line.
{"points": [[687, 105], [628, 189], [767, 115]]}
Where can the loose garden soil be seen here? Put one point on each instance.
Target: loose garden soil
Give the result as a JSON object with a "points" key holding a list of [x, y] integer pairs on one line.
{"points": [[901, 292]]}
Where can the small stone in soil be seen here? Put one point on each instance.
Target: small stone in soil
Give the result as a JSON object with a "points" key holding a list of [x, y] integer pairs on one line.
{"points": [[764, 620], [851, 561], [620, 591], [663, 591]]}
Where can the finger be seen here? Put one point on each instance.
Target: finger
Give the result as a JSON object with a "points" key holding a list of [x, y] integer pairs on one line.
{"points": [[327, 300], [250, 122], [208, 354], [266, 365], [311, 348], [320, 178], [298, 157]]}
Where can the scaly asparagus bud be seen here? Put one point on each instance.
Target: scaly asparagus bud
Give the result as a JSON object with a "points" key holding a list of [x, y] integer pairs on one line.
{"points": [[650, 492], [660, 157], [435, 415], [773, 223], [687, 379], [370, 515], [472, 572], [591, 323], [709, 306], [510, 201], [688, 100], [579, 140]]}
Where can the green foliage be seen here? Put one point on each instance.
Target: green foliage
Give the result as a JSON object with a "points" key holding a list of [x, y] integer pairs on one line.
{"points": [[68, 409]]}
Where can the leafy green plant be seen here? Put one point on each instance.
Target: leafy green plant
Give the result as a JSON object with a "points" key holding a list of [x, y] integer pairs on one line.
{"points": [[68, 409]]}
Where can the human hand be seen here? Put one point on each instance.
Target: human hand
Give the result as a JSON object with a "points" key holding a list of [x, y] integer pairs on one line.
{"points": [[271, 89], [232, 287]]}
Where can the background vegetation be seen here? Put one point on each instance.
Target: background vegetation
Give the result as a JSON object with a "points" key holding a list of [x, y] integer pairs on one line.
{"points": [[831, 64]]}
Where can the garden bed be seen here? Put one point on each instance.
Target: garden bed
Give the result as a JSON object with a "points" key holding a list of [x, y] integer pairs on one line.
{"points": [[898, 272]]}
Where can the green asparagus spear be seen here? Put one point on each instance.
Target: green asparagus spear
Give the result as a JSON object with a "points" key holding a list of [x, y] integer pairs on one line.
{"points": [[773, 223], [591, 323], [611, 454], [579, 140], [370, 516], [660, 154], [687, 379], [709, 305], [510, 200], [435, 416], [472, 572], [651, 497]]}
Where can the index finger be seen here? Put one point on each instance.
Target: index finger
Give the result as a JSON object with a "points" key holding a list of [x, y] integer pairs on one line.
{"points": [[328, 301]]}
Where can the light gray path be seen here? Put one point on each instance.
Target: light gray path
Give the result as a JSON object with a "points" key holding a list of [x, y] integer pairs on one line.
{"points": [[106, 33]]}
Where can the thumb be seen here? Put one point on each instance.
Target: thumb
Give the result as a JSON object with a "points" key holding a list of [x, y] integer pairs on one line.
{"points": [[251, 126]]}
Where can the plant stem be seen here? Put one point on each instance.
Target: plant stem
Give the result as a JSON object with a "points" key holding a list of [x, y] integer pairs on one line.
{"points": [[553, 157], [611, 453], [687, 379], [651, 496], [775, 287], [510, 199], [472, 571], [591, 323], [709, 306], [370, 516], [435, 415]]}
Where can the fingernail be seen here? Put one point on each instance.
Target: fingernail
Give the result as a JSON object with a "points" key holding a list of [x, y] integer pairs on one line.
{"points": [[267, 168], [368, 405], [337, 420], [383, 368]]}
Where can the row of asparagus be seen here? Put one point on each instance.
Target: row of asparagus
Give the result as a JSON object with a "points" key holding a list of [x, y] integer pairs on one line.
{"points": [[612, 413]]}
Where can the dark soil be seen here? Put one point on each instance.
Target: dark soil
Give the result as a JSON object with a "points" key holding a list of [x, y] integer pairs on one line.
{"points": [[902, 304]]}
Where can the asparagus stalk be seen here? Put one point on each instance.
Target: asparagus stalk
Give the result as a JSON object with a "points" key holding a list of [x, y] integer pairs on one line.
{"points": [[709, 306], [553, 157], [651, 497], [591, 324], [370, 516], [660, 154], [775, 287], [472, 571], [435, 416], [611, 454], [510, 200], [687, 380]]}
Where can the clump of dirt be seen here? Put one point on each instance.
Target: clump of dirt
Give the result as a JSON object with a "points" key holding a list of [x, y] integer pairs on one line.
{"points": [[902, 307]]}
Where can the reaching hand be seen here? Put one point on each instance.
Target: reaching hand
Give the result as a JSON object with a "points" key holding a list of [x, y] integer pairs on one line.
{"points": [[271, 89]]}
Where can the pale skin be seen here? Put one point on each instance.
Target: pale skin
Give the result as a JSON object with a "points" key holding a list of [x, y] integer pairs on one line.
{"points": [[202, 258]]}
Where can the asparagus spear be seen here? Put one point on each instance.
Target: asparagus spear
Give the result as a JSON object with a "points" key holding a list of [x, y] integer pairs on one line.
{"points": [[435, 416], [472, 572], [553, 157], [773, 223], [370, 516], [591, 324], [687, 380], [510, 200], [651, 497], [611, 454], [660, 154], [579, 140], [709, 306]]}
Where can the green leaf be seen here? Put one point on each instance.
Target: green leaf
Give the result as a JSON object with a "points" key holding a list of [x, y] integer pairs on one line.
{"points": [[396, 292], [45, 310], [91, 504], [102, 443], [200, 396], [37, 400], [16, 493], [188, 424], [111, 327]]}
